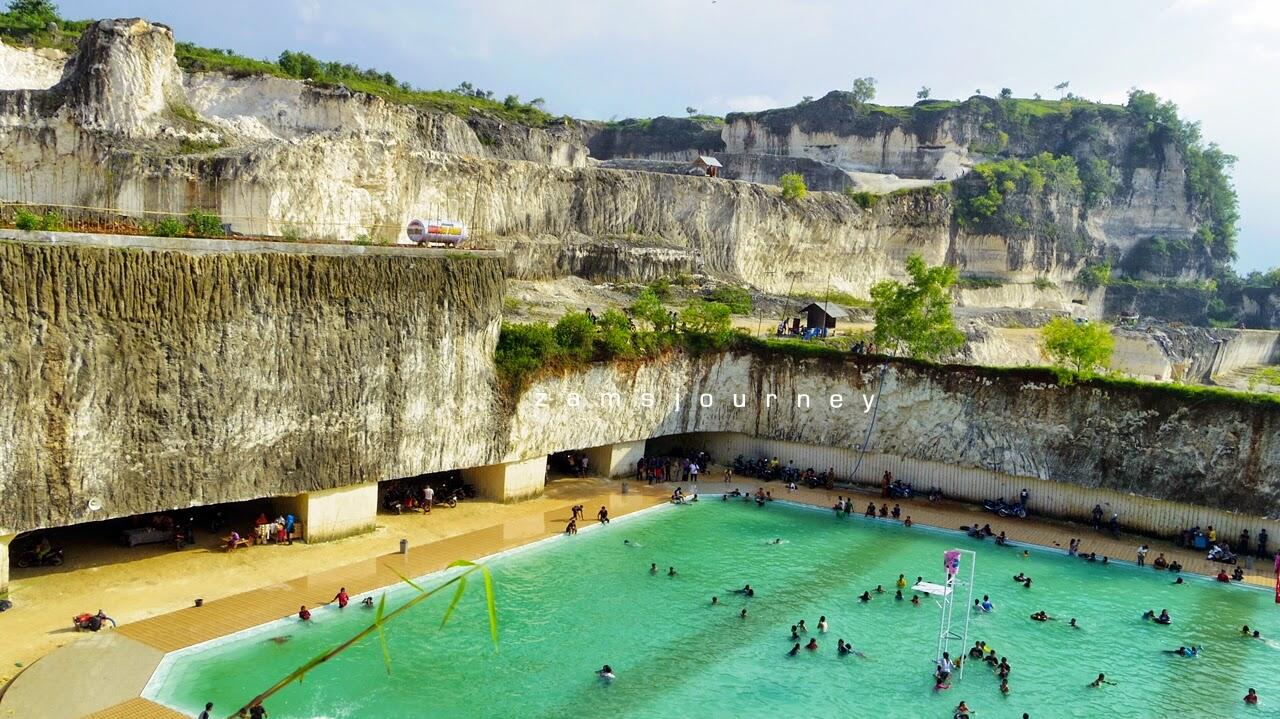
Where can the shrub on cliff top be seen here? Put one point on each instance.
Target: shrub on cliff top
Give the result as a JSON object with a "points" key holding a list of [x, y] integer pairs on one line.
{"points": [[523, 349], [1082, 349], [737, 299], [648, 307], [204, 224], [793, 187], [575, 335], [916, 317]]}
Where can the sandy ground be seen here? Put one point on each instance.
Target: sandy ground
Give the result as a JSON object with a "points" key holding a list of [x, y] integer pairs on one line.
{"points": [[134, 583]]}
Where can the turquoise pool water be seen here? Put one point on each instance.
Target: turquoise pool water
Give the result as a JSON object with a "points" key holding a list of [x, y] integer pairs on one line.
{"points": [[572, 604]]}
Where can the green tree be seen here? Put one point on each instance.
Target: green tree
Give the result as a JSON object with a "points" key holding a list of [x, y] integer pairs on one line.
{"points": [[924, 92], [793, 187], [1081, 348], [916, 316], [1006, 93], [864, 90], [35, 14], [708, 318], [691, 110], [1094, 276], [648, 307], [575, 336], [613, 337], [523, 349]]}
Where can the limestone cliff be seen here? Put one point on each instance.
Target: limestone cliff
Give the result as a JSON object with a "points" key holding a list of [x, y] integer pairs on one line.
{"points": [[157, 378], [1217, 453], [158, 374]]}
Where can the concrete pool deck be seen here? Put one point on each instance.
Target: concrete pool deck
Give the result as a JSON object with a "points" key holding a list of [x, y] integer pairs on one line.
{"points": [[69, 682]]}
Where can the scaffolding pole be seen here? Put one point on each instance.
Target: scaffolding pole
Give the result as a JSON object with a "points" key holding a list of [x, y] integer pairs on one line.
{"points": [[958, 581]]}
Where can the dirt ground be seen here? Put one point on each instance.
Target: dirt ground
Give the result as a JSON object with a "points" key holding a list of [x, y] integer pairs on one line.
{"points": [[134, 583]]}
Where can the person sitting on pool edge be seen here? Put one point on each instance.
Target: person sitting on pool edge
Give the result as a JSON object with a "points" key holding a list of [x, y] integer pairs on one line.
{"points": [[1160, 562]]}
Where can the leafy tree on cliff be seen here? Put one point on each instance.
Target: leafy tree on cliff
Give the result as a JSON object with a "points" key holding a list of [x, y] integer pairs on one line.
{"points": [[924, 92], [35, 14], [1006, 93], [1080, 348], [916, 316], [575, 336], [864, 90], [793, 187], [648, 307]]}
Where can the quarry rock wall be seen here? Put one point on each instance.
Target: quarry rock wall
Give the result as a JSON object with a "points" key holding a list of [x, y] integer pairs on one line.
{"points": [[142, 375], [147, 378]]}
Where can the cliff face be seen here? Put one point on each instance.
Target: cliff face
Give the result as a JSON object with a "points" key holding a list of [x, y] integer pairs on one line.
{"points": [[1219, 454], [157, 374], [124, 129], [150, 378]]}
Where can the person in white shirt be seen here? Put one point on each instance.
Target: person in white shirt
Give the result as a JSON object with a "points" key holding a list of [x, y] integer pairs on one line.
{"points": [[428, 497]]}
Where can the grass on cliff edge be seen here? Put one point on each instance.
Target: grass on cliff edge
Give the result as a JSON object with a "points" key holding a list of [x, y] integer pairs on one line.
{"points": [[528, 351], [27, 32]]}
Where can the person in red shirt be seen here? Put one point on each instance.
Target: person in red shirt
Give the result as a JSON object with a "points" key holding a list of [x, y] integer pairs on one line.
{"points": [[1251, 697], [341, 598], [1222, 576], [303, 614]]}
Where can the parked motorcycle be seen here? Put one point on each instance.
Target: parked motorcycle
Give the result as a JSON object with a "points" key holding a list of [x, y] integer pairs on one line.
{"points": [[1004, 509], [29, 559]]}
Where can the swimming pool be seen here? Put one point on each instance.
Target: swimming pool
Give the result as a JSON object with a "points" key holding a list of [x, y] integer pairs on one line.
{"points": [[572, 604]]}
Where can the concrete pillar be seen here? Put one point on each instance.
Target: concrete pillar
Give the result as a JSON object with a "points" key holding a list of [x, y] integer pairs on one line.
{"points": [[510, 481], [336, 513], [4, 563], [615, 460]]}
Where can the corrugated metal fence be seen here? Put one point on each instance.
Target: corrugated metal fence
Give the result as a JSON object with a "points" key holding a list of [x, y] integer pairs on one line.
{"points": [[1049, 498]]}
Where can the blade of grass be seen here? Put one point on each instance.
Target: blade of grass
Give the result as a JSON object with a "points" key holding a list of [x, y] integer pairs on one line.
{"points": [[423, 594], [382, 633], [493, 607], [457, 595]]}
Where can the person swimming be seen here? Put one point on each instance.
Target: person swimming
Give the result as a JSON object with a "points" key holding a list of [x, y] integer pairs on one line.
{"points": [[367, 602], [606, 673], [715, 600], [794, 650], [915, 599], [1178, 580], [975, 652], [866, 597], [630, 543], [743, 614], [803, 628], [812, 645], [898, 595], [879, 589], [1164, 617], [653, 568], [1102, 679], [986, 604], [1027, 583], [795, 633], [671, 571], [842, 648], [1073, 624], [902, 581], [747, 590], [1019, 577], [1191, 652], [822, 624], [1004, 685], [1041, 616]]}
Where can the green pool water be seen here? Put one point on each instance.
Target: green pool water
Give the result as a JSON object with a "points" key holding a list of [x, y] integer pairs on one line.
{"points": [[571, 604]]}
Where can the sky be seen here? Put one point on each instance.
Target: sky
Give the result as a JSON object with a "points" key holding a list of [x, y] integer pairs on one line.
{"points": [[601, 59]]}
